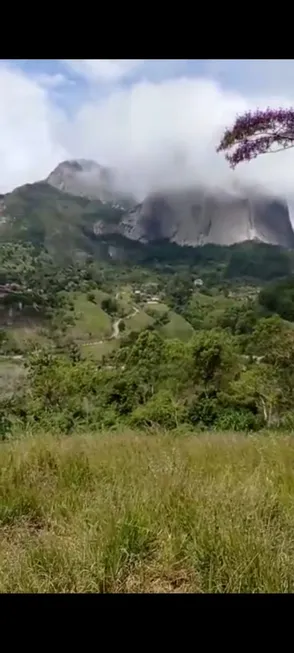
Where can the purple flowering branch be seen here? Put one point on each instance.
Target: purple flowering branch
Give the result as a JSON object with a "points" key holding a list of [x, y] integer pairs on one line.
{"points": [[258, 133]]}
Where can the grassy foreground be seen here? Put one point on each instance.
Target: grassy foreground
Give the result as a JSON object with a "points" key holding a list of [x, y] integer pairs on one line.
{"points": [[147, 513]]}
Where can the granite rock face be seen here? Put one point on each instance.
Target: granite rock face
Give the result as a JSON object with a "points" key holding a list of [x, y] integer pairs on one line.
{"points": [[196, 217], [187, 217]]}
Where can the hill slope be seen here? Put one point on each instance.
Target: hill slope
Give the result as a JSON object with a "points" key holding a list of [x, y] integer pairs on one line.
{"points": [[41, 214]]}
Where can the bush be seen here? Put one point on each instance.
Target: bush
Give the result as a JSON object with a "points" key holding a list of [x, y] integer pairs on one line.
{"points": [[91, 297], [204, 410], [287, 421], [161, 410], [240, 419], [109, 305]]}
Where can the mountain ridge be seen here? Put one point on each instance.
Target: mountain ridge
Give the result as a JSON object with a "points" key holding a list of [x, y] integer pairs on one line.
{"points": [[81, 203]]}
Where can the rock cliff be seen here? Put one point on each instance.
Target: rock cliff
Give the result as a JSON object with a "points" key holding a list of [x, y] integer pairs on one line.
{"points": [[197, 217]]}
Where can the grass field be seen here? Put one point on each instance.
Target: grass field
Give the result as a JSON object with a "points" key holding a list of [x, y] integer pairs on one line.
{"points": [[91, 321], [147, 513], [97, 351], [125, 294], [157, 307], [139, 321], [177, 327]]}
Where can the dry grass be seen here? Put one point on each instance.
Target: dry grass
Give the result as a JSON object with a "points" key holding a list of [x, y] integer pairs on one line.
{"points": [[147, 513]]}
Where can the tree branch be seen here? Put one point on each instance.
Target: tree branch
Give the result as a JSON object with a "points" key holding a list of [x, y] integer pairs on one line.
{"points": [[256, 133]]}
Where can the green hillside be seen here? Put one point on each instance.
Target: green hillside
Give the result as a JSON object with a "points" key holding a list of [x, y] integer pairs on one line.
{"points": [[40, 214], [91, 322], [177, 327]]}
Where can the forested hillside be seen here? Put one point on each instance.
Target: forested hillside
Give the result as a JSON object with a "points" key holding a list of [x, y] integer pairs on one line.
{"points": [[203, 340]]}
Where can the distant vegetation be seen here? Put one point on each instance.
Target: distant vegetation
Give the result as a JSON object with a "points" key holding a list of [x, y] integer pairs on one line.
{"points": [[44, 216], [149, 345]]}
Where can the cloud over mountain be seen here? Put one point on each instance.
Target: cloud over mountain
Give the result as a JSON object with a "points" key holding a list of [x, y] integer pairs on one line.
{"points": [[161, 133]]}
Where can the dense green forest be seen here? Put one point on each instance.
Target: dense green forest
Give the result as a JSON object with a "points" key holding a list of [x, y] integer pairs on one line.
{"points": [[199, 337]]}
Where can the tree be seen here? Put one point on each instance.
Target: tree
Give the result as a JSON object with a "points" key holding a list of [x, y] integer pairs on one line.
{"points": [[262, 384], [162, 409], [214, 358], [239, 319], [109, 305], [258, 132], [179, 291], [91, 297], [278, 297], [146, 354], [273, 341]]}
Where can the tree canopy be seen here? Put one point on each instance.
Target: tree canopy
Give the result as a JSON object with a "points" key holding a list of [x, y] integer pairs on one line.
{"points": [[258, 132]]}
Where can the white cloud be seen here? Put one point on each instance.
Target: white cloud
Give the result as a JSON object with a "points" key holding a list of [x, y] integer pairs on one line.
{"points": [[102, 70], [167, 133], [53, 81], [157, 134], [29, 125]]}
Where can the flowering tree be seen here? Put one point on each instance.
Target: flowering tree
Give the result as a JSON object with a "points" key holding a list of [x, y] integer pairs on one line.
{"points": [[257, 133]]}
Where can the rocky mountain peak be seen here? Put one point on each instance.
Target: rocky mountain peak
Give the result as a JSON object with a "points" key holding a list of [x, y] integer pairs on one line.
{"points": [[84, 178]]}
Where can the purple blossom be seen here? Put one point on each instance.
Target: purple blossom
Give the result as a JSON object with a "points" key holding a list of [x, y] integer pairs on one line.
{"points": [[258, 133]]}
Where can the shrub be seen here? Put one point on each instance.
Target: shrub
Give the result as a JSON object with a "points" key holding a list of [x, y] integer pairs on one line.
{"points": [[109, 305], [236, 419], [204, 410], [91, 297], [162, 410]]}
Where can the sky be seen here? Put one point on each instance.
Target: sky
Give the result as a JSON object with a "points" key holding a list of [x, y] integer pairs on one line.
{"points": [[157, 121]]}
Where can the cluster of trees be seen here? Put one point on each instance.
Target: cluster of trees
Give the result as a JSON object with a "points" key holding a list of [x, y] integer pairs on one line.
{"points": [[278, 297], [262, 262], [211, 382], [213, 263], [110, 306], [37, 273]]}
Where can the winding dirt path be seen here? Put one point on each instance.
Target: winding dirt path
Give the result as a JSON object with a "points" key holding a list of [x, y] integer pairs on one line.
{"points": [[115, 329], [115, 334]]}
